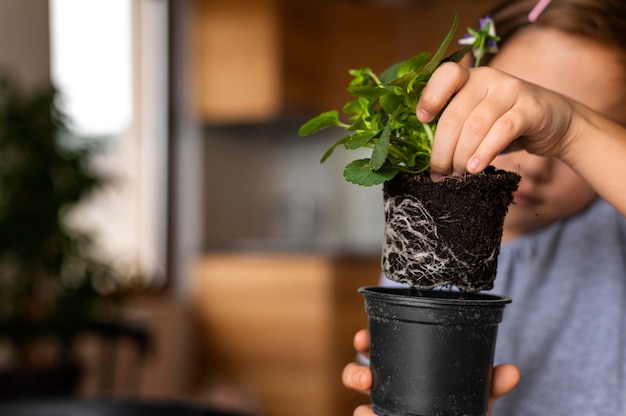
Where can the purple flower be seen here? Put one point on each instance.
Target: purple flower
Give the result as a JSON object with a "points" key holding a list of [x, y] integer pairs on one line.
{"points": [[484, 22], [483, 40]]}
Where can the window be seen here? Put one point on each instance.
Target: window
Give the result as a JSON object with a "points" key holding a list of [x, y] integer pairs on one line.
{"points": [[109, 60]]}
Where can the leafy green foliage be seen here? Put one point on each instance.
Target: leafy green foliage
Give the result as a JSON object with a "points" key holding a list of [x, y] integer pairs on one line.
{"points": [[382, 117], [51, 283]]}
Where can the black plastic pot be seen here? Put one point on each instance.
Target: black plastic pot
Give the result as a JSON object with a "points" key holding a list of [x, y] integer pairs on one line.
{"points": [[431, 352]]}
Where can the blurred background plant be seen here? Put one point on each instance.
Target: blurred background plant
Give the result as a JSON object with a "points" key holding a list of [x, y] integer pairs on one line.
{"points": [[53, 286]]}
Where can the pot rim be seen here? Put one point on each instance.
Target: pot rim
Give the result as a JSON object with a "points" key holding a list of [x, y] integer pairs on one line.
{"points": [[441, 297]]}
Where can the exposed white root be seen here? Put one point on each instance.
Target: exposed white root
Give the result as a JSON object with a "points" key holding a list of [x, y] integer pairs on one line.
{"points": [[413, 253]]}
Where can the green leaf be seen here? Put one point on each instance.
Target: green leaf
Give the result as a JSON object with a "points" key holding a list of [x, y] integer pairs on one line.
{"points": [[390, 102], [367, 91], [414, 91], [381, 149], [360, 139], [330, 150], [414, 64], [360, 123], [406, 84], [390, 73], [354, 107], [421, 159], [436, 60], [361, 76], [458, 55], [360, 172], [320, 122], [403, 81]]}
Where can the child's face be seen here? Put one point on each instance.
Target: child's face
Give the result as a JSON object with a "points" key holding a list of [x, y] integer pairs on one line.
{"points": [[577, 68]]}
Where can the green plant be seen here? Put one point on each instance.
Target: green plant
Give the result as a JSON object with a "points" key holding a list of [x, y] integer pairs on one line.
{"points": [[383, 114], [51, 284]]}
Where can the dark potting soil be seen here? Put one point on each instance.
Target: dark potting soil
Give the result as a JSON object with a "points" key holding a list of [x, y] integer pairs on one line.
{"points": [[446, 232]]}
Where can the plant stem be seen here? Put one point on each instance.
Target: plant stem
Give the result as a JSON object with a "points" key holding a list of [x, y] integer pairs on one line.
{"points": [[429, 133]]}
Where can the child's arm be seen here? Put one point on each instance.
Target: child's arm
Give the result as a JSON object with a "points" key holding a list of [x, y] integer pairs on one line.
{"points": [[597, 152], [491, 112]]}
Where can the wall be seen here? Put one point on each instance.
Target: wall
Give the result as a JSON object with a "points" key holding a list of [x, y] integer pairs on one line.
{"points": [[24, 40]]}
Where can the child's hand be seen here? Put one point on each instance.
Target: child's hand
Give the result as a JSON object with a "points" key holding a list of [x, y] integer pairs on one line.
{"points": [[359, 377], [490, 112]]}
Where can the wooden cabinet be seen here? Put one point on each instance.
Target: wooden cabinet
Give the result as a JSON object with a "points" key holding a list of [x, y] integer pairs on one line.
{"points": [[237, 60], [256, 59], [281, 325]]}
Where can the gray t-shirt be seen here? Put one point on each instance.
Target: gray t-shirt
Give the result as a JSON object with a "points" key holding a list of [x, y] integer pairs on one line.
{"points": [[566, 327]]}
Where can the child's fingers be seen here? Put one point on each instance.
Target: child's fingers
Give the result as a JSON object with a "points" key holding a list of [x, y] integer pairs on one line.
{"points": [[443, 84], [361, 342], [364, 410], [464, 114], [505, 378], [357, 377]]}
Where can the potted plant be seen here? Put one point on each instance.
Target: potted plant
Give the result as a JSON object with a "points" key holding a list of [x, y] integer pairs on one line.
{"points": [[53, 287], [444, 233]]}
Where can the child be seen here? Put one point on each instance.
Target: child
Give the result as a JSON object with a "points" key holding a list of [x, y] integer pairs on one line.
{"points": [[563, 257]]}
